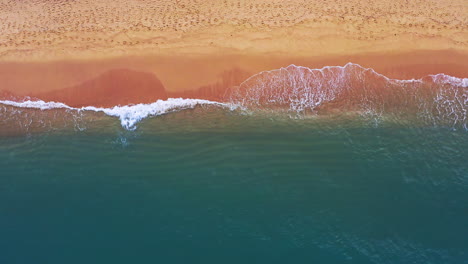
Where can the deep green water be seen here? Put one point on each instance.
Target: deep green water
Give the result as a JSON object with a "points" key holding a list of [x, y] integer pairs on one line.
{"points": [[228, 188]]}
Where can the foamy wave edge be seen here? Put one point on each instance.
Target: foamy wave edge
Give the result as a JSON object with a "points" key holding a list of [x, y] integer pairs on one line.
{"points": [[440, 78], [129, 115]]}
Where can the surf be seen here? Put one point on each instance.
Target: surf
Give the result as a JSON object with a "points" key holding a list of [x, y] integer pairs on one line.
{"points": [[129, 115], [350, 89]]}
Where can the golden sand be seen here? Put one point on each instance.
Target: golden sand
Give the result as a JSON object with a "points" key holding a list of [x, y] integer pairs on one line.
{"points": [[50, 45]]}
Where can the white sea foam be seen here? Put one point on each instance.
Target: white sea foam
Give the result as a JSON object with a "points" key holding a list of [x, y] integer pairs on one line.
{"points": [[299, 87], [129, 115], [443, 78], [39, 104], [438, 78]]}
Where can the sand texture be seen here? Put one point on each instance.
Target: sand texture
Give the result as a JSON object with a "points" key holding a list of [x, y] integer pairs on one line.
{"points": [[49, 30]]}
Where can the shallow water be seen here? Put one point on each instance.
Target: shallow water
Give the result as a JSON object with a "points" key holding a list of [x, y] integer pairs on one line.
{"points": [[217, 186], [296, 165]]}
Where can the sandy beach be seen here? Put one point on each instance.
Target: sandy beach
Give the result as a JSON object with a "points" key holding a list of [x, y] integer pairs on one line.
{"points": [[50, 48]]}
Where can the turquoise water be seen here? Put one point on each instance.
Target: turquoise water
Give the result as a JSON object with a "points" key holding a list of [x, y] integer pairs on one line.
{"points": [[222, 187]]}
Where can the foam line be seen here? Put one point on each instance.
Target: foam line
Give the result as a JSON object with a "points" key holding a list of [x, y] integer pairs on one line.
{"points": [[129, 115], [323, 85], [437, 78]]}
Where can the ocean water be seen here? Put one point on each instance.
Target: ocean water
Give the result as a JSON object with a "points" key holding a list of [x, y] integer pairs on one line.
{"points": [[240, 181], [212, 186]]}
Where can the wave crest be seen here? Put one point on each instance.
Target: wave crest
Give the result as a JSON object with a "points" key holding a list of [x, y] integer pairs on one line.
{"points": [[129, 115]]}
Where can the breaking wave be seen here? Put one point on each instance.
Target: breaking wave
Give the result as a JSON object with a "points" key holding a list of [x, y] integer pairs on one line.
{"points": [[436, 99], [129, 115]]}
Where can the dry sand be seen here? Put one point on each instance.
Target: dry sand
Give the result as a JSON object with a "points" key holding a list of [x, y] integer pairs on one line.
{"points": [[50, 45]]}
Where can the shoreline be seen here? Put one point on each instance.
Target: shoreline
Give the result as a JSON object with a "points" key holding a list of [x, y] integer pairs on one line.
{"points": [[135, 79]]}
